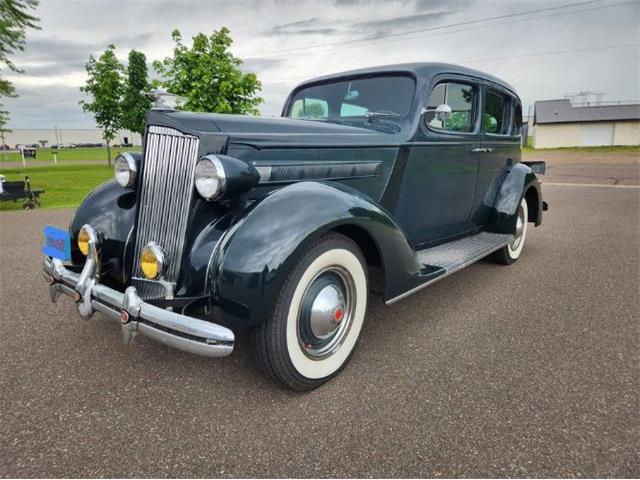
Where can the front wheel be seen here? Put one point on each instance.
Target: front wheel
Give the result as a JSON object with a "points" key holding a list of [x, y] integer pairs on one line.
{"points": [[318, 316], [511, 252]]}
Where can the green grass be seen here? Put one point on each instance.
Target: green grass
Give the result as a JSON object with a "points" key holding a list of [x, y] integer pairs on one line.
{"points": [[606, 149], [65, 186], [65, 154]]}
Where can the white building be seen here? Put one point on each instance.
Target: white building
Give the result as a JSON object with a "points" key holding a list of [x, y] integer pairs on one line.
{"points": [[557, 123]]}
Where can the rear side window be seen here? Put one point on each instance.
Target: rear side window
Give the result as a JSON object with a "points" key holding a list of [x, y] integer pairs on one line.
{"points": [[496, 113], [461, 98], [310, 108]]}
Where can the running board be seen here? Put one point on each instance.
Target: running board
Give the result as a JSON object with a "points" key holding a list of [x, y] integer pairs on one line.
{"points": [[441, 261]]}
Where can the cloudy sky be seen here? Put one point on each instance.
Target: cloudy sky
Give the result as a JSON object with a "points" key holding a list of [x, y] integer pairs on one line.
{"points": [[589, 45]]}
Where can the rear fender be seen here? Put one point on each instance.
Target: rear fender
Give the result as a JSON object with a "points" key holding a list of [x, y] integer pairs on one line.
{"points": [[519, 180], [258, 251]]}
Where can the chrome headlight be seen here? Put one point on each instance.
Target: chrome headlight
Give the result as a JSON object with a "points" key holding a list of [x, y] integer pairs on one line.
{"points": [[126, 169], [210, 177]]}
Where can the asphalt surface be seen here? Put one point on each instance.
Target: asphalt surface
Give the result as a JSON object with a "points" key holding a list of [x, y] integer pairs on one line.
{"points": [[526, 370], [589, 173]]}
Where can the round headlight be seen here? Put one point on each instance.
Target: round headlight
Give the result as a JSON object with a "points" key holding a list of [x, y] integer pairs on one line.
{"points": [[126, 169], [86, 234], [210, 177], [152, 261]]}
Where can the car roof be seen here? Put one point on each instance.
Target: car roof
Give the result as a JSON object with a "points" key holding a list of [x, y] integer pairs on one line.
{"points": [[422, 70]]}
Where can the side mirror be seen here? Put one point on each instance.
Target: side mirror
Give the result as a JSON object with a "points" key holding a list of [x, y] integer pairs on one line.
{"points": [[443, 112]]}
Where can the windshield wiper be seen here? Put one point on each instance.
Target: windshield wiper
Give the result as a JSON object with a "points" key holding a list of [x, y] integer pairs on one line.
{"points": [[371, 115]]}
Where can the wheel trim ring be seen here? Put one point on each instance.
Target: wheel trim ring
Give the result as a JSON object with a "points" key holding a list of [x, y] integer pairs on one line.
{"points": [[520, 224], [515, 247], [301, 363]]}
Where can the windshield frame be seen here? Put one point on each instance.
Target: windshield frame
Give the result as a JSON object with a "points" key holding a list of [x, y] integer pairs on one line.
{"points": [[375, 123]]}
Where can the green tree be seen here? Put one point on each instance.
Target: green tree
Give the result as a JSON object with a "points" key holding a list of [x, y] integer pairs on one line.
{"points": [[15, 19], [105, 87], [137, 99], [315, 110], [4, 120], [208, 76]]}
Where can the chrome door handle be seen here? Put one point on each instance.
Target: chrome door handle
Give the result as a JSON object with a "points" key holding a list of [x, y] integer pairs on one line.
{"points": [[481, 150]]}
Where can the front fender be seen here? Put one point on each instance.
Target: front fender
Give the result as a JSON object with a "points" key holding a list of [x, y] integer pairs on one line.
{"points": [[257, 253], [519, 179], [111, 210]]}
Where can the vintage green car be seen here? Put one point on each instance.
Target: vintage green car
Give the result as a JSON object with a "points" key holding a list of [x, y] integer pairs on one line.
{"points": [[383, 179]]}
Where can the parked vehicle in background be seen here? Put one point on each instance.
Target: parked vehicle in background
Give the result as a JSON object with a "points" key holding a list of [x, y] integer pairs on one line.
{"points": [[20, 190], [22, 146], [387, 178], [63, 145]]}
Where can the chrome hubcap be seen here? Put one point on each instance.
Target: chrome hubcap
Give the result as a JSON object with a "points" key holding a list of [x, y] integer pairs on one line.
{"points": [[519, 229], [326, 312]]}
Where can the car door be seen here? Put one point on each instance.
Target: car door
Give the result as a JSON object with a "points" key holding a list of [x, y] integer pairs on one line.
{"points": [[498, 149], [439, 183]]}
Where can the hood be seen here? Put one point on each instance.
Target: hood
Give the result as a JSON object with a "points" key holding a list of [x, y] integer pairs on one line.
{"points": [[270, 132]]}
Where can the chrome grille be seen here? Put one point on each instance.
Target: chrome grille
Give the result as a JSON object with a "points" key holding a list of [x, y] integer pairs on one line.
{"points": [[166, 191]]}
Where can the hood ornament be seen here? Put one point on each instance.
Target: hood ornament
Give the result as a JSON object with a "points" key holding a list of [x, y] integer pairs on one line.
{"points": [[163, 100]]}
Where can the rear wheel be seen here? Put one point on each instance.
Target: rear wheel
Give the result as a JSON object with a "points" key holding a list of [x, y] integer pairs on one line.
{"points": [[511, 252], [318, 316]]}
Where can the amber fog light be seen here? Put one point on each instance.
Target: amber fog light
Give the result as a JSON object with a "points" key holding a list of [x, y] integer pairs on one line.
{"points": [[85, 235], [152, 261]]}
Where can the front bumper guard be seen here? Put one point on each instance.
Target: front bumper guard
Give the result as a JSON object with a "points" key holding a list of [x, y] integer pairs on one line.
{"points": [[133, 314]]}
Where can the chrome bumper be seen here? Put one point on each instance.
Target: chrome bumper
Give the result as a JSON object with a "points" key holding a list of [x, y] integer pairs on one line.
{"points": [[134, 315]]}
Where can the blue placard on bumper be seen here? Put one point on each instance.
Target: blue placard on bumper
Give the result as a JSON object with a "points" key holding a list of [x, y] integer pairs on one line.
{"points": [[57, 243]]}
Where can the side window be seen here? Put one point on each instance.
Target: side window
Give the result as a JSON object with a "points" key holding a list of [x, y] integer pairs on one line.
{"points": [[496, 113], [461, 98], [310, 108]]}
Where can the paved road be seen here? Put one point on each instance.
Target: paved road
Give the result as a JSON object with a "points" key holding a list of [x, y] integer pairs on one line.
{"points": [[606, 174], [527, 370]]}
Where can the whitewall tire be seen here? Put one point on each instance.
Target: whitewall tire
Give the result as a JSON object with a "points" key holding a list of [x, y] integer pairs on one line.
{"points": [[511, 252], [318, 316]]}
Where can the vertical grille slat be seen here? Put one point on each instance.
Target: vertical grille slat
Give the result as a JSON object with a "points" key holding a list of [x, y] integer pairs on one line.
{"points": [[165, 195]]}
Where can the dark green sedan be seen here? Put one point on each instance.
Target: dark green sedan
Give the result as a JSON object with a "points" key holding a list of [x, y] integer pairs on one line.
{"points": [[384, 179]]}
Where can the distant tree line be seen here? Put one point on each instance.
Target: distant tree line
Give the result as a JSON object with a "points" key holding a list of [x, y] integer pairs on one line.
{"points": [[206, 76]]}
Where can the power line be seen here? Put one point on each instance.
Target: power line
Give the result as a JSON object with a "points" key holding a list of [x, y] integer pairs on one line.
{"points": [[461, 30], [438, 27], [526, 55], [556, 52]]}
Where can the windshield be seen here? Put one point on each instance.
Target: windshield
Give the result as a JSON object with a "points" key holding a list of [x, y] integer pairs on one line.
{"points": [[386, 98]]}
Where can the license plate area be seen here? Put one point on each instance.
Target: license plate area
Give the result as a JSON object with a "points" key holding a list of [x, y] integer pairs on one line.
{"points": [[57, 243]]}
